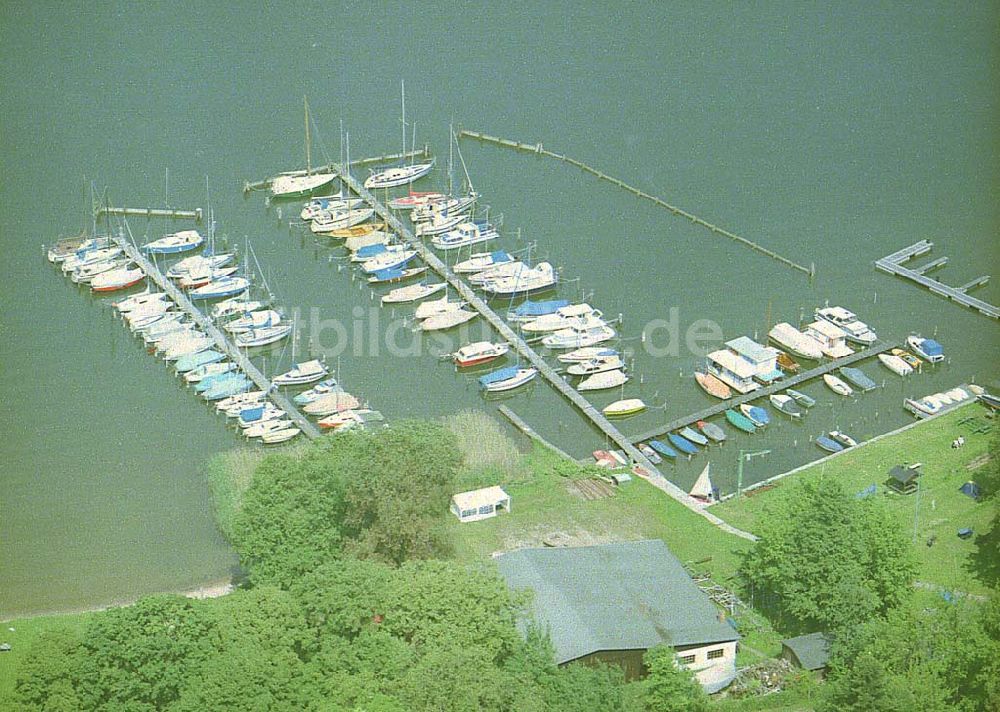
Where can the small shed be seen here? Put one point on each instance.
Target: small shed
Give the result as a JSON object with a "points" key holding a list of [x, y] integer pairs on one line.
{"points": [[809, 652], [479, 504], [903, 478]]}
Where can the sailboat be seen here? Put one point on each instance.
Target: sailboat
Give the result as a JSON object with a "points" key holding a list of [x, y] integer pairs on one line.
{"points": [[399, 175], [300, 373], [703, 488], [297, 184], [480, 261], [506, 379], [412, 293]]}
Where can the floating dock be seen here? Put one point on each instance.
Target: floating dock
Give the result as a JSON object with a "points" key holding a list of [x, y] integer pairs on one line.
{"points": [[893, 264], [169, 213], [736, 401], [221, 341], [539, 150]]}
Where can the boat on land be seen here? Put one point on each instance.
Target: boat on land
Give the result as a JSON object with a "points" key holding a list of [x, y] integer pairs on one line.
{"points": [[205, 358], [389, 276], [603, 380], [858, 378], [225, 287], [330, 224], [481, 261], [786, 363], [931, 350], [895, 364], [198, 263], [650, 454], [689, 433], [447, 320], [330, 403], [465, 234], [911, 360], [757, 415], [682, 444], [209, 369], [663, 449], [787, 405], [479, 352], [703, 489], [801, 398], [315, 207], [855, 329], [842, 438], [327, 385], [587, 353], [713, 431], [279, 436], [595, 365], [412, 293], [301, 373], [562, 318], [712, 385], [416, 199], [829, 445], [740, 421], [437, 306], [541, 277], [836, 385], [298, 184], [174, 242], [576, 337], [621, 408], [263, 336], [116, 279], [388, 260], [506, 379], [253, 320], [800, 344], [989, 400]]}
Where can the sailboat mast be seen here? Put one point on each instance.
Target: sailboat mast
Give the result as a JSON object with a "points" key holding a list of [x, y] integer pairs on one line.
{"points": [[402, 91], [305, 104]]}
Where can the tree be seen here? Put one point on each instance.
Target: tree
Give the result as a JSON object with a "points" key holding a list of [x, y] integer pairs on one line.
{"points": [[830, 559], [48, 676], [669, 687]]}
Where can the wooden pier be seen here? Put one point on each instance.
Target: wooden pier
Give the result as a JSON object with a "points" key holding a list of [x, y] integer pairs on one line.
{"points": [[424, 152], [736, 401], [170, 213], [893, 264], [539, 150], [222, 342]]}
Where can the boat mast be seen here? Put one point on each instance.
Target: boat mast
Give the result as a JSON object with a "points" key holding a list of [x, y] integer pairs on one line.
{"points": [[464, 168], [402, 91], [451, 161], [305, 103]]}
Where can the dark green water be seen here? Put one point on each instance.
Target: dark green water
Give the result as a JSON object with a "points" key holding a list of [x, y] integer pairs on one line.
{"points": [[834, 136]]}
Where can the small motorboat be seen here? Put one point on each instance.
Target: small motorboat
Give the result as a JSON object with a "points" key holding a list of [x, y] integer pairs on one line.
{"points": [[506, 379], [479, 352], [837, 386], [683, 444], [828, 444], [740, 421], [587, 353], [842, 438], [801, 398], [622, 408], [663, 449], [786, 363], [300, 373], [712, 385], [757, 415], [787, 405], [858, 378], [895, 364], [595, 365], [603, 380], [447, 320], [694, 436], [909, 358], [650, 454], [713, 431], [412, 293], [388, 276], [931, 350]]}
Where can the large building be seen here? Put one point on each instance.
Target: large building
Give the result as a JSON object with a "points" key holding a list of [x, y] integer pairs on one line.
{"points": [[611, 603]]}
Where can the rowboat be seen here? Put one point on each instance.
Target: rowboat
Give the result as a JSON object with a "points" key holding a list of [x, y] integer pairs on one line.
{"points": [[911, 360], [482, 261], [787, 336], [506, 379], [398, 175], [543, 276], [801, 398], [209, 369], [930, 349], [786, 363], [663, 449], [116, 279], [447, 320], [331, 403], [787, 405], [416, 199], [263, 336], [858, 378], [603, 380], [693, 435], [300, 373], [315, 207], [387, 261], [280, 436], [627, 406], [465, 234], [757, 415], [479, 352], [225, 287], [412, 293], [357, 230], [190, 363], [389, 276], [713, 431], [740, 421], [650, 454], [856, 330], [327, 385], [587, 353], [562, 318], [682, 444], [828, 444], [579, 336], [332, 223], [595, 365], [895, 364], [173, 243], [712, 385], [703, 488], [843, 438], [253, 320], [437, 306], [836, 385]]}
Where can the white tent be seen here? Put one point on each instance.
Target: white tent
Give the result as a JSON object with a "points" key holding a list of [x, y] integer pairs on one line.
{"points": [[479, 504]]}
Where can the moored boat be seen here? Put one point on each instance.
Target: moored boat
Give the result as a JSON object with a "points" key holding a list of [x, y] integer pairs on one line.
{"points": [[253, 320], [682, 444], [196, 263], [258, 430], [300, 373], [712, 385], [416, 199], [829, 445], [225, 287], [740, 421], [587, 353], [562, 318], [713, 431], [506, 379], [757, 415], [175, 242], [911, 360], [387, 261], [390, 276], [858, 378], [801, 398], [279, 436], [263, 336], [703, 489], [842, 438], [228, 388], [800, 344], [482, 261], [330, 403], [650, 454], [663, 449], [437, 306], [595, 365], [856, 330], [204, 358], [787, 405], [398, 175], [327, 385], [541, 277], [315, 207], [621, 408], [931, 350], [412, 293], [836, 385], [895, 364], [786, 363], [465, 234], [209, 369], [479, 352], [116, 279], [529, 310], [334, 223], [576, 337], [447, 320], [689, 433], [603, 380]]}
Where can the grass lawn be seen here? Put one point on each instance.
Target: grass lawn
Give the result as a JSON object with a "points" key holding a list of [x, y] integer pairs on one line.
{"points": [[940, 510], [20, 639]]}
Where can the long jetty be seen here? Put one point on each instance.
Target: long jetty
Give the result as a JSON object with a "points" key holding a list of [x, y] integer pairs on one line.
{"points": [[169, 213], [220, 339], [537, 149], [643, 466], [718, 408], [893, 264], [424, 152]]}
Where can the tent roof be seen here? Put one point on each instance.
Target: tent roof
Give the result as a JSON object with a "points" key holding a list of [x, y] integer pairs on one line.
{"points": [[626, 596], [812, 651]]}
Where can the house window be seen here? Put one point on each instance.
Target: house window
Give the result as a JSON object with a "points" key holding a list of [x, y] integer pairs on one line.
{"points": [[486, 509], [715, 654], [686, 659]]}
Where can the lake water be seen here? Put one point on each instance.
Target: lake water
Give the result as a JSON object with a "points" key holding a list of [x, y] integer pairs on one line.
{"points": [[832, 135]]}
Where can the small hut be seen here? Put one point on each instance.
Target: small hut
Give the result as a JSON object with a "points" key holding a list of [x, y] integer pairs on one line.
{"points": [[479, 504], [903, 478], [809, 652]]}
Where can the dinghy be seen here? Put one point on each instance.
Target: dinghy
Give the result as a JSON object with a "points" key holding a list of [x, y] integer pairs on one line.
{"points": [[682, 444], [603, 380], [713, 431], [621, 408], [481, 261], [712, 385], [740, 421], [895, 364], [694, 436], [703, 489], [837, 386], [479, 352], [412, 293], [506, 379], [931, 350], [447, 320], [757, 415], [828, 444], [300, 373], [801, 398], [663, 449], [787, 405], [858, 378]]}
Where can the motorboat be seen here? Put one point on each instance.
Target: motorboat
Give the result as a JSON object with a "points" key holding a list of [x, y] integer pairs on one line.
{"points": [[787, 405], [587, 353], [836, 385], [379, 249], [562, 318], [589, 334], [800, 344], [481, 261], [856, 330], [895, 364], [603, 380], [479, 352], [595, 365], [931, 350], [465, 234], [541, 277]]}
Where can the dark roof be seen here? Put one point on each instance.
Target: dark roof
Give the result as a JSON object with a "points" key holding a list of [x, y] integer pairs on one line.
{"points": [[627, 596], [812, 651], [904, 474]]}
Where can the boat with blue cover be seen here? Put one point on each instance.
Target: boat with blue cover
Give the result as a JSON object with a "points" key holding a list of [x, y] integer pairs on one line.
{"points": [[930, 349], [367, 252], [390, 259], [757, 415], [682, 444], [858, 378], [210, 382], [529, 310], [389, 276], [663, 449], [189, 363], [227, 388], [740, 421], [828, 444], [505, 379]]}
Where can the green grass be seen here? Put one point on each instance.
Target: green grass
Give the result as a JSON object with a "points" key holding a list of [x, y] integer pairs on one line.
{"points": [[941, 510], [26, 630]]}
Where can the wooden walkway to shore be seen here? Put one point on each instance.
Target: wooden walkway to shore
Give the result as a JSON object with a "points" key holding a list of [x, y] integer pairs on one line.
{"points": [[734, 402], [222, 342], [539, 150], [893, 264]]}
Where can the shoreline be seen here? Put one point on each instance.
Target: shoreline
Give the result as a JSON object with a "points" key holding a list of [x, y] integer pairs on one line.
{"points": [[212, 589]]}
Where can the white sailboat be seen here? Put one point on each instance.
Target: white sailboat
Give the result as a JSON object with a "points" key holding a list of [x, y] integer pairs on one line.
{"points": [[703, 488], [562, 318], [412, 293], [399, 175], [603, 380], [296, 184], [447, 320]]}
